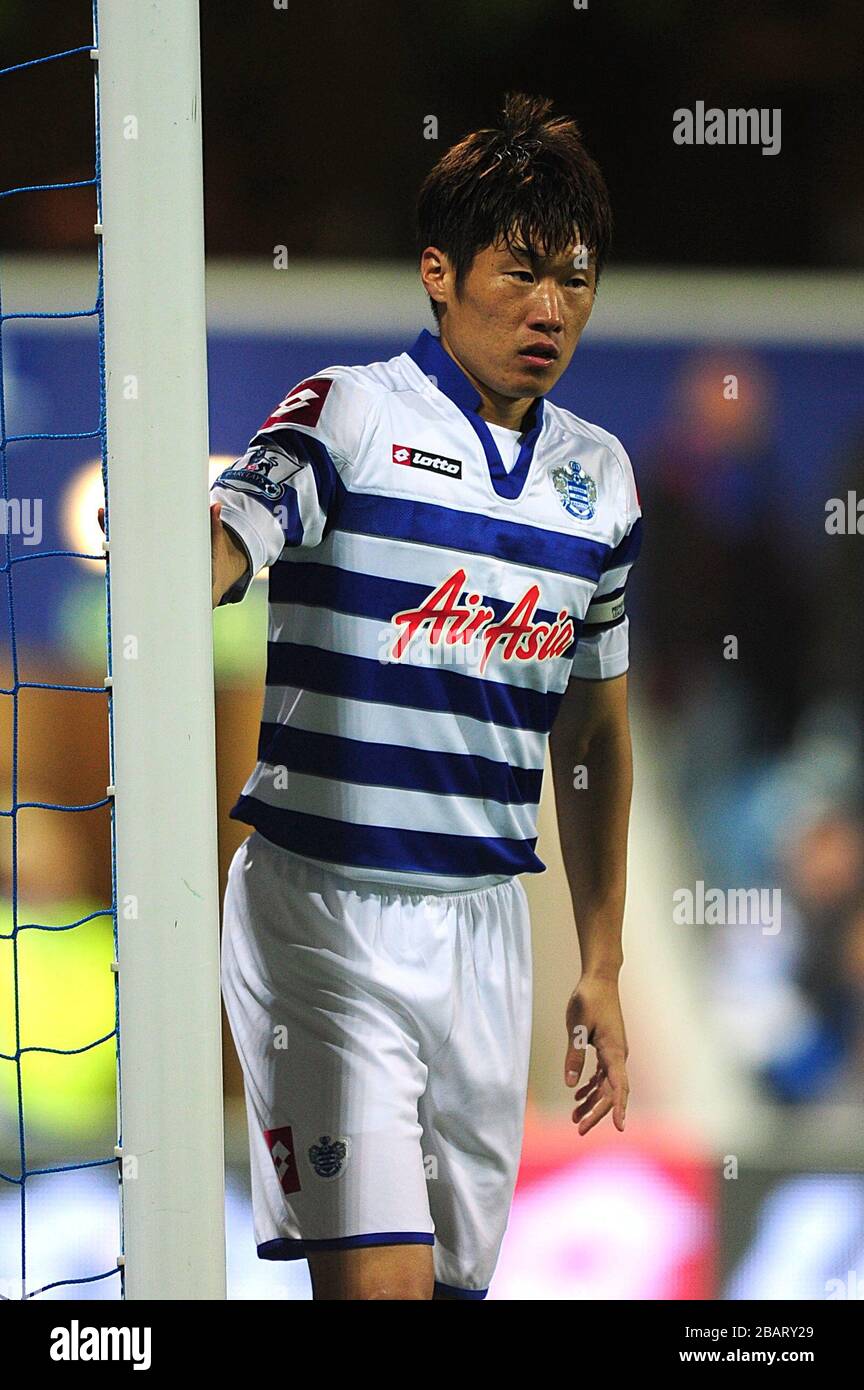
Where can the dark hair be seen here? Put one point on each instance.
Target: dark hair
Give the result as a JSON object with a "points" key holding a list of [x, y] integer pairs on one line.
{"points": [[531, 183]]}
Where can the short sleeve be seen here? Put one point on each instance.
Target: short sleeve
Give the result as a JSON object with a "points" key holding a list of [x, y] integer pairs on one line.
{"points": [[281, 492], [603, 649]]}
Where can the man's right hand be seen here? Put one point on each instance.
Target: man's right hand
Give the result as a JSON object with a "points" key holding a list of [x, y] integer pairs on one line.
{"points": [[227, 557]]}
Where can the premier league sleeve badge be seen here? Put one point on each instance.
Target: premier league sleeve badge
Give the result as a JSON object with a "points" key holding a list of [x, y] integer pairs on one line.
{"points": [[252, 473]]}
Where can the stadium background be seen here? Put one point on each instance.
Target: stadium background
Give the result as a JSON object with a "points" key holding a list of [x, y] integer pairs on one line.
{"points": [[740, 1171]]}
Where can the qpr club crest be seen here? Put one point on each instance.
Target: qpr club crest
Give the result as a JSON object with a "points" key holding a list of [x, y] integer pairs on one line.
{"points": [[329, 1156], [576, 489], [253, 474]]}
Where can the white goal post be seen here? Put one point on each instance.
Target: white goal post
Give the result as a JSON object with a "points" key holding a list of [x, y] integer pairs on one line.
{"points": [[163, 773]]}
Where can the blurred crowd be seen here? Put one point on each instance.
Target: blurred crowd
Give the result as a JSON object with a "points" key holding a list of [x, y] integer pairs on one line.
{"points": [[751, 654]]}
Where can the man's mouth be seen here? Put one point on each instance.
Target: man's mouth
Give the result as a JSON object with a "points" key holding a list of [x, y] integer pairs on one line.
{"points": [[539, 354]]}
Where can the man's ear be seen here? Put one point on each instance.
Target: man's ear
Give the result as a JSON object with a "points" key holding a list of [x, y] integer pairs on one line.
{"points": [[436, 274]]}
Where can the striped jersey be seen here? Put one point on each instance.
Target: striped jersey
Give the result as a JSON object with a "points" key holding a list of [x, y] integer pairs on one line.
{"points": [[427, 608]]}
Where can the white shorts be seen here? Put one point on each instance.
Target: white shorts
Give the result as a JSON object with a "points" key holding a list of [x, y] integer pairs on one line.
{"points": [[384, 1038]]}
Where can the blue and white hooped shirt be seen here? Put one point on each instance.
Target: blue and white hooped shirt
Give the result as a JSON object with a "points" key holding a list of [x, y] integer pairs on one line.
{"points": [[427, 608]]}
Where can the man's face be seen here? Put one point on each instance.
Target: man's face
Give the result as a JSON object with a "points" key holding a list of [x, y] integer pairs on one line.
{"points": [[515, 323]]}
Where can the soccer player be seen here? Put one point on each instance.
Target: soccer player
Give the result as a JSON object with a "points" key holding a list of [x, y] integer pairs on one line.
{"points": [[447, 554]]}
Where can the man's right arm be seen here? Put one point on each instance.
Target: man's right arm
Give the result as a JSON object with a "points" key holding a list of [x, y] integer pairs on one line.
{"points": [[280, 492]]}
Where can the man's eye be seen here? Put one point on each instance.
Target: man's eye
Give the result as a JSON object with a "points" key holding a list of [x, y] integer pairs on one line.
{"points": [[520, 274], [579, 281]]}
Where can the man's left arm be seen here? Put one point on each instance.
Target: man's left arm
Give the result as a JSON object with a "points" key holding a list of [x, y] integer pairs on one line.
{"points": [[592, 771]]}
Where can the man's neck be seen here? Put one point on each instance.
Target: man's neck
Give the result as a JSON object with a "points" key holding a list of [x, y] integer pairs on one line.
{"points": [[494, 408]]}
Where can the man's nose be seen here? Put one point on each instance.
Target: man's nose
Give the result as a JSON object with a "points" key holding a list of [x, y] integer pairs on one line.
{"points": [[546, 309]]}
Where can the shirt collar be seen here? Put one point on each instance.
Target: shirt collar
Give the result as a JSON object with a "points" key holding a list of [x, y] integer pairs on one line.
{"points": [[434, 361]]}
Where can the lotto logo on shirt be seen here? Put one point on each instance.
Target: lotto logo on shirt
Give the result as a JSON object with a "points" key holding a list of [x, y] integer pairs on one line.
{"points": [[433, 463], [280, 1142]]}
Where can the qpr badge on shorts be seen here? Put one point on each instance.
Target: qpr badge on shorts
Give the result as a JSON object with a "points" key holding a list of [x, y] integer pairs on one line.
{"points": [[329, 1156], [576, 489]]}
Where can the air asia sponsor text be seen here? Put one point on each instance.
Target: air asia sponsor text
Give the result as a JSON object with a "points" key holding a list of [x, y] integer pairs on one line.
{"points": [[442, 616]]}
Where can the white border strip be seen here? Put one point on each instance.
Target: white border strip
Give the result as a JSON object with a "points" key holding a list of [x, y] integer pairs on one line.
{"points": [[354, 299]]}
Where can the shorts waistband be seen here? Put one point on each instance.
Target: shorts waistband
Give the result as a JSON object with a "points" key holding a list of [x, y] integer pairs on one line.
{"points": [[381, 888]]}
